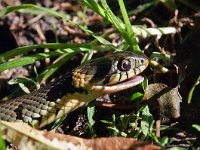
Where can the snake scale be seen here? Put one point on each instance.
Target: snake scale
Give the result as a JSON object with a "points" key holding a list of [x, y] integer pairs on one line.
{"points": [[100, 76]]}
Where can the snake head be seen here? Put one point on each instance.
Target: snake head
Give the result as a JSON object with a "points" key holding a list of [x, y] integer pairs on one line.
{"points": [[111, 73]]}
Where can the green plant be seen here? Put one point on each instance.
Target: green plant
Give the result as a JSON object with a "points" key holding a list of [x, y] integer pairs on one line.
{"points": [[2, 142], [117, 126], [91, 122], [197, 127], [139, 125]]}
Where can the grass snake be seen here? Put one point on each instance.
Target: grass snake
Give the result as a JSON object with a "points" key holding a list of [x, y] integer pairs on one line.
{"points": [[77, 88]]}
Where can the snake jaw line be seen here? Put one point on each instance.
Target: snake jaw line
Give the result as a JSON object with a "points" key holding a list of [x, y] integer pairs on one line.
{"points": [[107, 89]]}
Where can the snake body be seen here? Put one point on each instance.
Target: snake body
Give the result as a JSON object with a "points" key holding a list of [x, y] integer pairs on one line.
{"points": [[100, 76]]}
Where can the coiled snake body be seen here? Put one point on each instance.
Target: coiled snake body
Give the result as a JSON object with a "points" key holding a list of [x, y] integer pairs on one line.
{"points": [[85, 83]]}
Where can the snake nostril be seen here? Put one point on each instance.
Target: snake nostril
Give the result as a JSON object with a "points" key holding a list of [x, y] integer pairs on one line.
{"points": [[142, 61]]}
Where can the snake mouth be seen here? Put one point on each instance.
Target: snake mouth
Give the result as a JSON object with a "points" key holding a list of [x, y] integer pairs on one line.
{"points": [[128, 83]]}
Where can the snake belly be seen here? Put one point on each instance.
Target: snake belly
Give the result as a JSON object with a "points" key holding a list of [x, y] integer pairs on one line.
{"points": [[100, 76]]}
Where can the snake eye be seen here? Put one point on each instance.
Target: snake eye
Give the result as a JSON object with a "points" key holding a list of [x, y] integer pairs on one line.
{"points": [[124, 65]]}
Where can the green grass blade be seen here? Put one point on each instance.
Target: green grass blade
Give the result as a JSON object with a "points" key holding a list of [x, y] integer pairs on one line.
{"points": [[21, 50], [197, 127], [125, 17], [117, 22], [32, 9], [192, 90], [92, 4], [129, 28], [26, 60]]}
